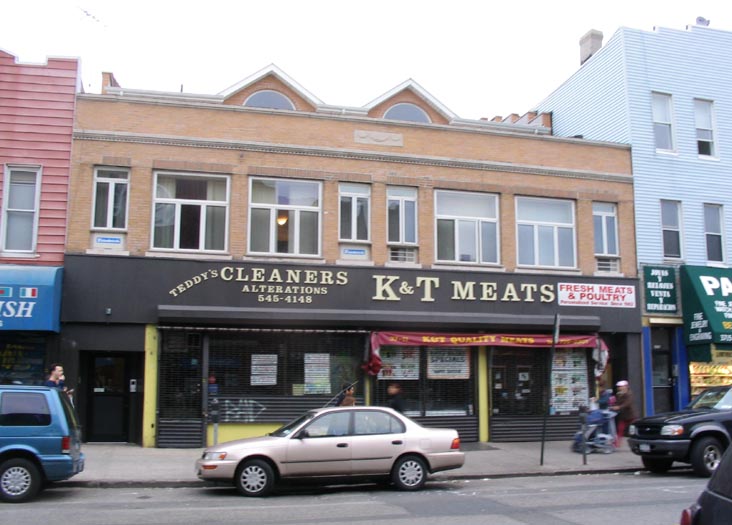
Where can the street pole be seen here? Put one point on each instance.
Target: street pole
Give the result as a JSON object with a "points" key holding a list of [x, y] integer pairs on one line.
{"points": [[548, 408]]}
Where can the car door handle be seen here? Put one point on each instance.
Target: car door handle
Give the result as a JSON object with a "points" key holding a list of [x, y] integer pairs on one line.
{"points": [[397, 442], [342, 445]]}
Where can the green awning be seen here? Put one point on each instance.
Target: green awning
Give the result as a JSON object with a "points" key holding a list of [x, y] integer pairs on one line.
{"points": [[707, 304], [700, 353]]}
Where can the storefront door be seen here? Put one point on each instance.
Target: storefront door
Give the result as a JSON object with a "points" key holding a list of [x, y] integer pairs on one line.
{"points": [[518, 381], [663, 380], [112, 393]]}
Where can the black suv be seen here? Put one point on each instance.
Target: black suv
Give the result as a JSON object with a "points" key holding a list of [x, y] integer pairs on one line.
{"points": [[697, 435], [714, 505]]}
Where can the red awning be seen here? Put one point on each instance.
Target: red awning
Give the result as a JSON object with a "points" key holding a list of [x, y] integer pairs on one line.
{"points": [[379, 339]]}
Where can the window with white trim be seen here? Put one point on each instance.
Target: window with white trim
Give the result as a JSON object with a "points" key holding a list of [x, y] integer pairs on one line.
{"points": [[354, 211], [704, 122], [662, 122], [401, 223], [671, 228], [191, 212], [467, 227], [546, 232], [408, 112], [21, 202], [605, 226], [713, 233], [110, 198], [284, 217], [269, 99]]}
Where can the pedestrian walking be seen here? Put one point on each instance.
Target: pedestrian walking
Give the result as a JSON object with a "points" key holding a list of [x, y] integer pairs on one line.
{"points": [[624, 407]]}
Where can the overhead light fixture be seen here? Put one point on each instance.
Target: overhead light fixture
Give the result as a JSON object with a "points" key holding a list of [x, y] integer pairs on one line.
{"points": [[282, 220]]}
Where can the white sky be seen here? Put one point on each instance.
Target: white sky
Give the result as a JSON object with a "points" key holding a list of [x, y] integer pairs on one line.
{"points": [[480, 58]]}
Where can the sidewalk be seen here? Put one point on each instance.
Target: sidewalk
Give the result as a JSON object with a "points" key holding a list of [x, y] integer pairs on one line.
{"points": [[113, 465]]}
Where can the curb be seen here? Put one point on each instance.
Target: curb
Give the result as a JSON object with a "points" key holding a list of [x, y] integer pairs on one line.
{"points": [[116, 484]]}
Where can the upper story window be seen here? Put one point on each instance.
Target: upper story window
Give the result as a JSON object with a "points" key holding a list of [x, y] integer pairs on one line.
{"points": [[354, 211], [605, 226], [663, 122], [704, 121], [408, 112], [467, 227], [21, 203], [671, 228], [284, 217], [713, 220], [191, 212], [546, 232], [269, 99], [110, 198], [401, 215]]}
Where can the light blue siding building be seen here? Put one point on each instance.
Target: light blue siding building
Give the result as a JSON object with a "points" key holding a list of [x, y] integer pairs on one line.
{"points": [[668, 93]]}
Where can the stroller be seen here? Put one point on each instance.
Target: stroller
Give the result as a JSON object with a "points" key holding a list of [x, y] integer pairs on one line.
{"points": [[599, 435]]}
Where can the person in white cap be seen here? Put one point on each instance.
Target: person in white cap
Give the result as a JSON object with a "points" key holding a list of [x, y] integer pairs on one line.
{"points": [[624, 407]]}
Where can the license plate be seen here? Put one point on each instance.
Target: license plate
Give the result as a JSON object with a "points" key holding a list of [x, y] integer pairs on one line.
{"points": [[644, 447]]}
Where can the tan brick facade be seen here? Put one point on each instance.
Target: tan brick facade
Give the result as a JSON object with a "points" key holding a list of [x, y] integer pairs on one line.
{"points": [[147, 134]]}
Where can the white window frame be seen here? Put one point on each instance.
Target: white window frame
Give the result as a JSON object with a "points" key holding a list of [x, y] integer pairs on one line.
{"points": [[605, 216], [705, 127], [553, 225], [671, 228], [354, 192], [7, 175], [718, 234], [111, 192], [178, 203], [663, 121], [418, 111], [478, 221], [273, 208], [284, 98], [402, 195]]}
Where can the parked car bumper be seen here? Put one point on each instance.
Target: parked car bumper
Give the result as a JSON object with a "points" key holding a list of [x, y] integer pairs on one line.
{"points": [[446, 460], [60, 467], [667, 448], [215, 469]]}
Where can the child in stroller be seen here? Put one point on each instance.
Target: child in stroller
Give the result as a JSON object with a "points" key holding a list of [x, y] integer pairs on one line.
{"points": [[599, 432]]}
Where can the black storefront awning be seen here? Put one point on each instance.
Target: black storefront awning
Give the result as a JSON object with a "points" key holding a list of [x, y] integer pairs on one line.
{"points": [[707, 306]]}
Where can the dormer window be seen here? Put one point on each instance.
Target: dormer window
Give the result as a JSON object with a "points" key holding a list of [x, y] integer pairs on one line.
{"points": [[408, 112], [269, 99]]}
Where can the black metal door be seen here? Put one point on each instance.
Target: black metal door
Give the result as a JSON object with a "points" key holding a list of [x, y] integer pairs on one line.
{"points": [[109, 398], [180, 418]]}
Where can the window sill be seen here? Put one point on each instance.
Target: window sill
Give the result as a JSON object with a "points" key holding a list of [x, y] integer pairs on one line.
{"points": [[100, 251], [710, 158], [21, 256], [442, 265], [396, 264], [670, 152], [549, 270], [296, 259], [353, 262], [189, 255]]}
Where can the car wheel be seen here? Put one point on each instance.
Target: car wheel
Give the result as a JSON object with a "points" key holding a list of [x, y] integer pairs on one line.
{"points": [[20, 480], [254, 478], [706, 453], [409, 473], [657, 465]]}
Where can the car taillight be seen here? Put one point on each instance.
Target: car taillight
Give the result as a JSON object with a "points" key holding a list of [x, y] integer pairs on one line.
{"points": [[455, 444], [688, 514], [66, 445]]}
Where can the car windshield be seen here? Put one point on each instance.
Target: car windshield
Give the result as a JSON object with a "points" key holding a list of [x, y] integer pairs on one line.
{"points": [[292, 425], [718, 399]]}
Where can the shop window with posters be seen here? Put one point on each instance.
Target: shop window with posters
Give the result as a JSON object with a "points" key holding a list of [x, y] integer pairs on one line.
{"points": [[434, 381]]}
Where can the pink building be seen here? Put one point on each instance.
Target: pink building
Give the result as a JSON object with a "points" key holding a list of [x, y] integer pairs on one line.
{"points": [[36, 125]]}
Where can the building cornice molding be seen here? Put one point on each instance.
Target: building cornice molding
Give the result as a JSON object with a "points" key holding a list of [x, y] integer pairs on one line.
{"points": [[349, 154]]}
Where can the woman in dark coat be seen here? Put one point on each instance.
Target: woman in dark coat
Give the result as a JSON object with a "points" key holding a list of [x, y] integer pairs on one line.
{"points": [[624, 407]]}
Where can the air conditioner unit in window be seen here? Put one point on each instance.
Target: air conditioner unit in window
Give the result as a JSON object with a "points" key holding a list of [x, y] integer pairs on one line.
{"points": [[401, 254], [608, 265]]}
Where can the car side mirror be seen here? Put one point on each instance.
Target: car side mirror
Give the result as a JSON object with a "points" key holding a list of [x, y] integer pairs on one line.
{"points": [[303, 434]]}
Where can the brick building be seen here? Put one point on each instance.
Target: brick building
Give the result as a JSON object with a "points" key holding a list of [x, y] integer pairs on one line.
{"points": [[247, 253], [36, 123]]}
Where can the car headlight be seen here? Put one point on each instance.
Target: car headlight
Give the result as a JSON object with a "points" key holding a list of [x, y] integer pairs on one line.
{"points": [[213, 456], [632, 430], [672, 430]]}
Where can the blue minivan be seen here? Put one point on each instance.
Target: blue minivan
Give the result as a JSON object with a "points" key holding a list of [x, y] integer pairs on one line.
{"points": [[40, 440]]}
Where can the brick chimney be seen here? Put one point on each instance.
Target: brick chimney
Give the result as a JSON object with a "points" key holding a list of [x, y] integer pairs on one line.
{"points": [[590, 44]]}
